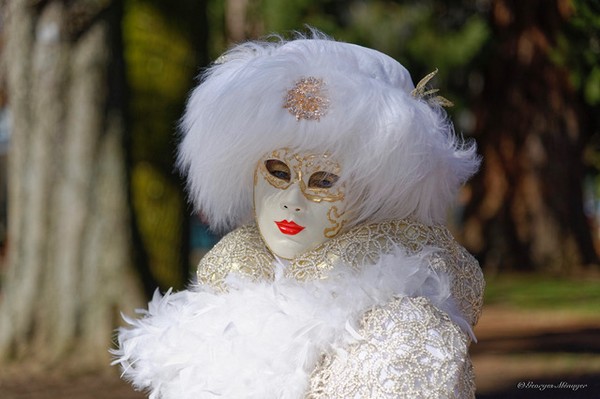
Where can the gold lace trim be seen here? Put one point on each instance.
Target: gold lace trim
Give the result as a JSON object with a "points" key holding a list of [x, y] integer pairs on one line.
{"points": [[244, 252], [410, 349]]}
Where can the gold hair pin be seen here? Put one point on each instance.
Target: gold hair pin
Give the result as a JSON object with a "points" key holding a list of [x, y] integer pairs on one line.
{"points": [[427, 95], [306, 99]]}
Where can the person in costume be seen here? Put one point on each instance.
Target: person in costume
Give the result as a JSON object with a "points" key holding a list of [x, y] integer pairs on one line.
{"points": [[334, 174]]}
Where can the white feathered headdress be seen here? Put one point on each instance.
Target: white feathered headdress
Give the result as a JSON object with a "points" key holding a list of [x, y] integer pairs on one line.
{"points": [[399, 154]]}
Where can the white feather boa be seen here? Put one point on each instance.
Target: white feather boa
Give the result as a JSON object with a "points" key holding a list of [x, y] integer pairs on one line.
{"points": [[262, 340]]}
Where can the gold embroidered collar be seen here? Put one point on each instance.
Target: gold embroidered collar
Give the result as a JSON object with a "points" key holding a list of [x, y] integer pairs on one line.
{"points": [[244, 252]]}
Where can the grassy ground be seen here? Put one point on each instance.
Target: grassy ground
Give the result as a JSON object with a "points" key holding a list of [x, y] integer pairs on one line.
{"points": [[539, 292], [539, 337]]}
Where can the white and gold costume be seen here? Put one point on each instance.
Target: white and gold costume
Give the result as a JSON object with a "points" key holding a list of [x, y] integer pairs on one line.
{"points": [[377, 301]]}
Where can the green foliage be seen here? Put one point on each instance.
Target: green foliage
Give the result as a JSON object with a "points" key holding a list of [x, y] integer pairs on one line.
{"points": [[217, 42], [591, 88], [578, 48], [423, 36], [538, 291], [157, 202], [384, 25], [161, 62], [411, 33], [281, 16], [449, 50]]}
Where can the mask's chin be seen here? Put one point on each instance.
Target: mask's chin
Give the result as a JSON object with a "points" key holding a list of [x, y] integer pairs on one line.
{"points": [[289, 249]]}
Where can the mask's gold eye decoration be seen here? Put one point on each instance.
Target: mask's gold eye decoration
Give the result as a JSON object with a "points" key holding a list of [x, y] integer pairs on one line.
{"points": [[278, 169], [322, 180]]}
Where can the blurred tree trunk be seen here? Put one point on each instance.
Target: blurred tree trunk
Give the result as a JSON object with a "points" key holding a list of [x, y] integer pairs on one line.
{"points": [[236, 20], [526, 209], [69, 269]]}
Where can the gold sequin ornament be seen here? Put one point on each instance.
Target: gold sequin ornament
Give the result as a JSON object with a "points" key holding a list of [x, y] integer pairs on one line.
{"points": [[306, 99], [421, 92]]}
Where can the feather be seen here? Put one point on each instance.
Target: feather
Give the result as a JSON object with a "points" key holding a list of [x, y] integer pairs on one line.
{"points": [[262, 340]]}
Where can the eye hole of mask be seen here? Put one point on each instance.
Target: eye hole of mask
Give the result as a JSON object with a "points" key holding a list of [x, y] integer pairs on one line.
{"points": [[322, 180], [278, 169]]}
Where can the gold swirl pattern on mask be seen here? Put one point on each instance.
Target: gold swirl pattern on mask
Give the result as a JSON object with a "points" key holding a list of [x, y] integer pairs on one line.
{"points": [[306, 100], [244, 252], [334, 216]]}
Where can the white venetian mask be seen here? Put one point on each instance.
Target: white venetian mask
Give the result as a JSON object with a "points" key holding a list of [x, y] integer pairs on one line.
{"points": [[297, 202]]}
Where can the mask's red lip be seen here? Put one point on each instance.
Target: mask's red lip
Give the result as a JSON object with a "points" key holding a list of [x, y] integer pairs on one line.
{"points": [[290, 228]]}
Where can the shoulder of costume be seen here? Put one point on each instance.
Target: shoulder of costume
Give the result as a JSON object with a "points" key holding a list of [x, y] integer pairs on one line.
{"points": [[241, 251]]}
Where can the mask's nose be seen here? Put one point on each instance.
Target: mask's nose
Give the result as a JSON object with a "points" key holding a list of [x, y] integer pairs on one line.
{"points": [[293, 200]]}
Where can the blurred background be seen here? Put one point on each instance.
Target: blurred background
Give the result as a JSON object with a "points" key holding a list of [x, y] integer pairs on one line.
{"points": [[93, 215]]}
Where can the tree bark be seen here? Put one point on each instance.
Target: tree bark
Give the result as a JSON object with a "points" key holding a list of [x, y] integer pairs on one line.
{"points": [[235, 18], [526, 209], [69, 255]]}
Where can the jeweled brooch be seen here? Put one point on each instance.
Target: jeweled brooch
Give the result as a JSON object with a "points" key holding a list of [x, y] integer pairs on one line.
{"points": [[306, 100]]}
